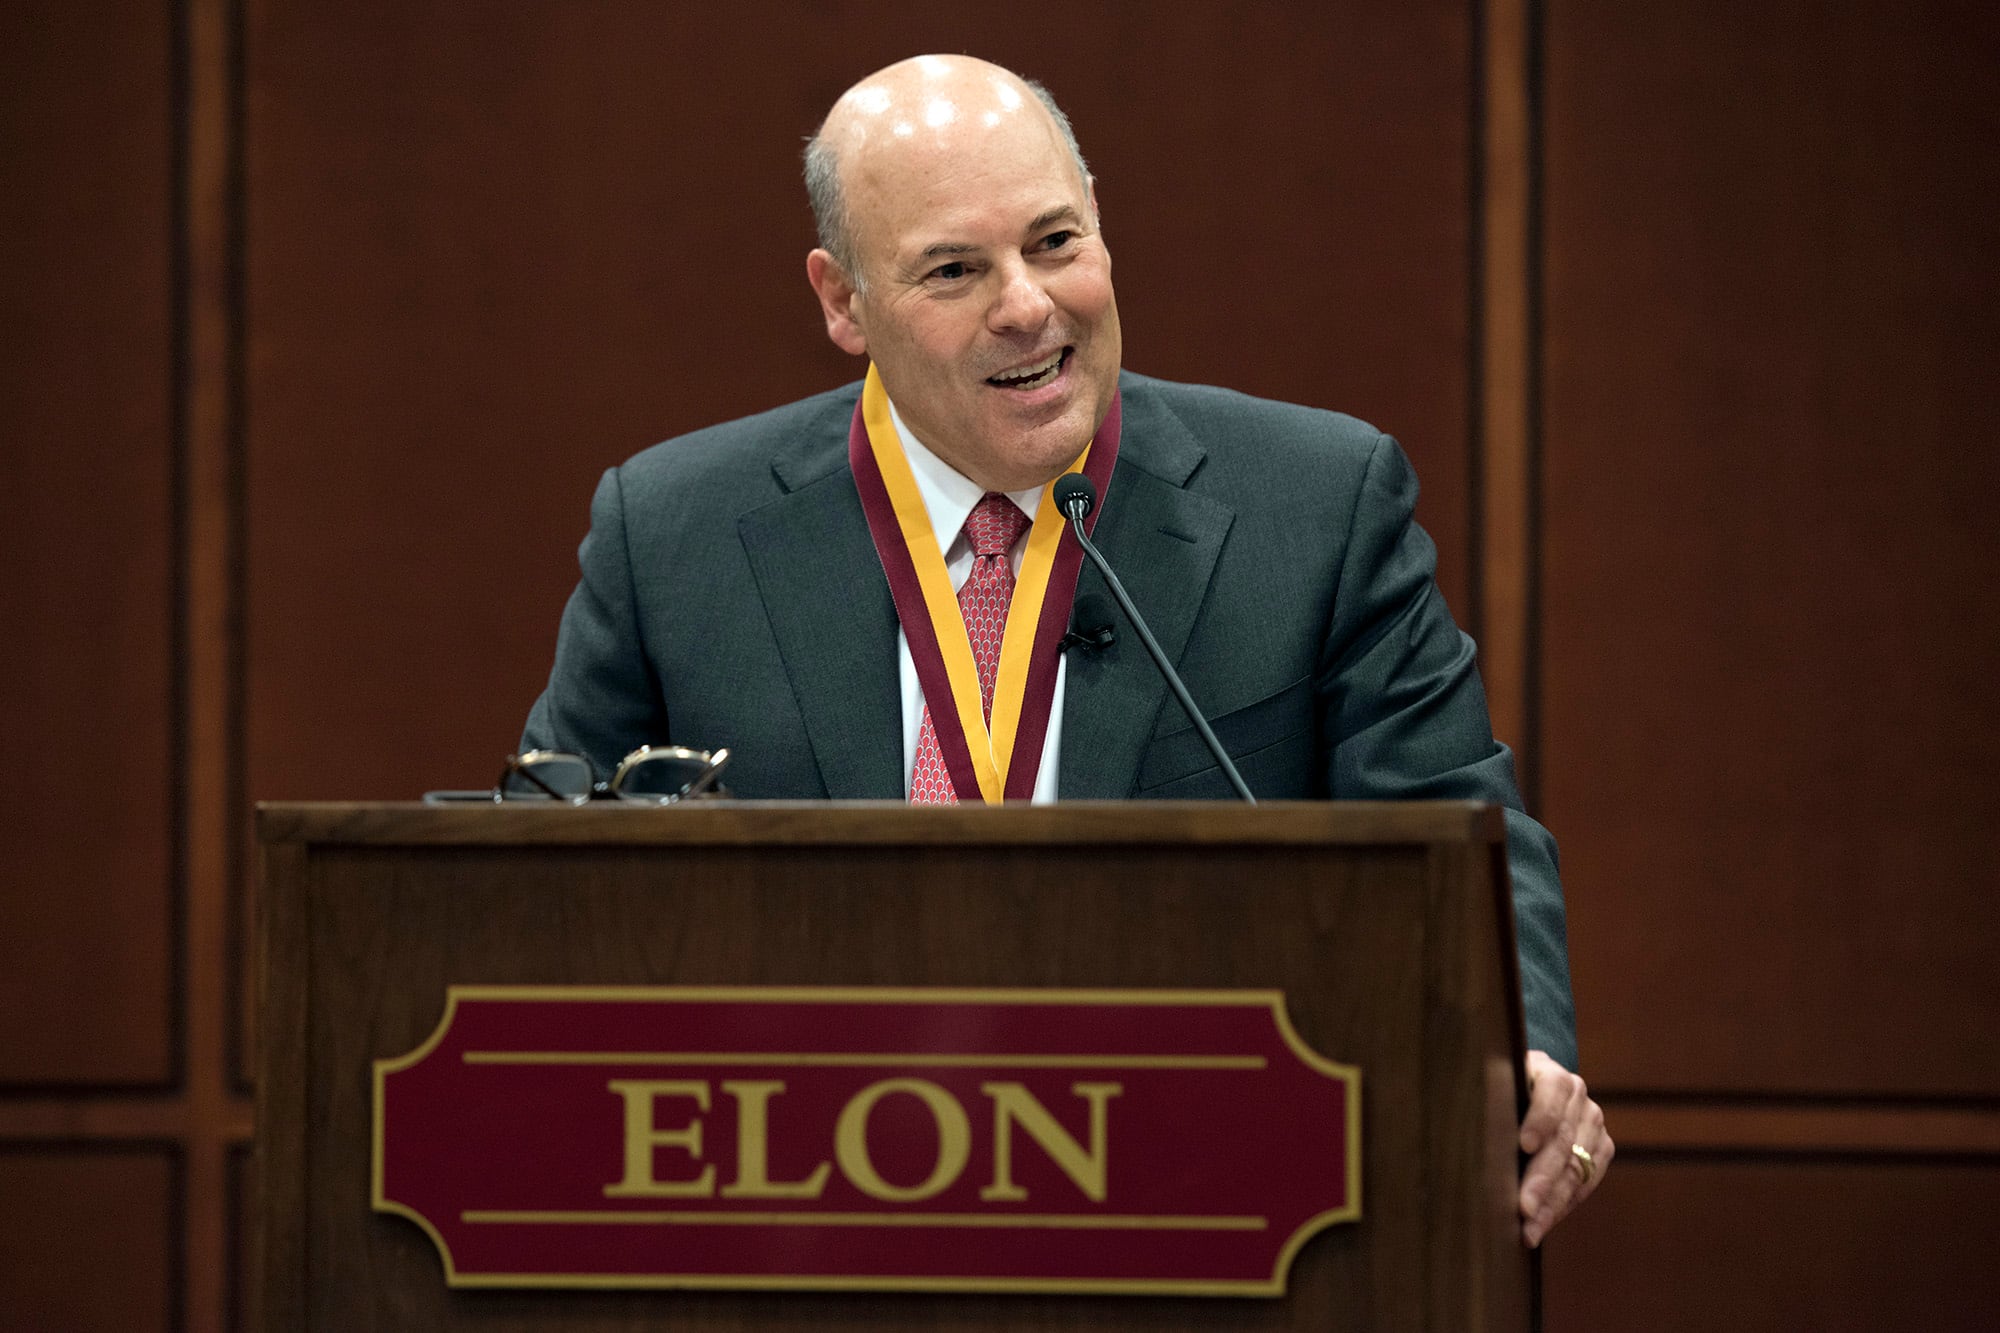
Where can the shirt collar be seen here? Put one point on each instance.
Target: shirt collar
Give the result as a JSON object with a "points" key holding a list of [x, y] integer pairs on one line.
{"points": [[949, 495]]}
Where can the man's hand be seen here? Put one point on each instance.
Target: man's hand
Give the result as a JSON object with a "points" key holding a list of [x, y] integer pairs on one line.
{"points": [[1561, 1118]]}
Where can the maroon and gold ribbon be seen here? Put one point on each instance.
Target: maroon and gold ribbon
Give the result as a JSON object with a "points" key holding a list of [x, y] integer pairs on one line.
{"points": [[1000, 761]]}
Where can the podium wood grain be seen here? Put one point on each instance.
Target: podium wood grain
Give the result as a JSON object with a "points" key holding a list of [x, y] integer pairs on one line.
{"points": [[1386, 927]]}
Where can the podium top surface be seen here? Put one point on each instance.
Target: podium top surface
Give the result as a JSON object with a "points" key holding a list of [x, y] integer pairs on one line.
{"points": [[614, 823]]}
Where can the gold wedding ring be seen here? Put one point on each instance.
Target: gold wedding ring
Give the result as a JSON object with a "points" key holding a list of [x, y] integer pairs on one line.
{"points": [[1588, 1163]]}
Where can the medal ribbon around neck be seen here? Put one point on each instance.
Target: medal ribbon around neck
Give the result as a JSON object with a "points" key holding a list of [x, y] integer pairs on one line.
{"points": [[1001, 763]]}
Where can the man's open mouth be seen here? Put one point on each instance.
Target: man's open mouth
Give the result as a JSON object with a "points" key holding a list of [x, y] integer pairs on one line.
{"points": [[1031, 377]]}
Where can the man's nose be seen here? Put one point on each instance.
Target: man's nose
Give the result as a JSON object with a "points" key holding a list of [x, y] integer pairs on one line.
{"points": [[1022, 302]]}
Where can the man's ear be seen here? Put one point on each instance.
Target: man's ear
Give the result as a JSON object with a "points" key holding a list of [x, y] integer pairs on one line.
{"points": [[836, 301]]}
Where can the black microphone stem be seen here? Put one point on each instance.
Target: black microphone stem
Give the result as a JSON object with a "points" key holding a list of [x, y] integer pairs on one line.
{"points": [[1075, 511]]}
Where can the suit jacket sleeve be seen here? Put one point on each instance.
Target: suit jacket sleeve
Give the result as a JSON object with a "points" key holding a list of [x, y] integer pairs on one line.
{"points": [[1405, 718], [602, 698]]}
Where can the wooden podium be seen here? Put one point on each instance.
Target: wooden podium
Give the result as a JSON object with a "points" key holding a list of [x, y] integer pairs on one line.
{"points": [[1387, 928]]}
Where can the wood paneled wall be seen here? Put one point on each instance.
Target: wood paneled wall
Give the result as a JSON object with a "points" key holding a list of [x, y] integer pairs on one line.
{"points": [[91, 589], [325, 319], [1767, 642]]}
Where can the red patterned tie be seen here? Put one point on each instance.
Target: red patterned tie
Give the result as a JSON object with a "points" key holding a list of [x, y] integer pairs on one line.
{"points": [[993, 527]]}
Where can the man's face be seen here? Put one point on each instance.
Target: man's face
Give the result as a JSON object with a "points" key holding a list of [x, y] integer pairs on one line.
{"points": [[987, 302]]}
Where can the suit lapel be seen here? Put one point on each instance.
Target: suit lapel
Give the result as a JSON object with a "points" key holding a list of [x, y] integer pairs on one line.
{"points": [[1163, 541], [835, 623], [830, 611]]}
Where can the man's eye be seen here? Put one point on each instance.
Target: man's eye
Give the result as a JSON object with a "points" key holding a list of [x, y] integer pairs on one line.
{"points": [[1056, 240], [949, 272]]}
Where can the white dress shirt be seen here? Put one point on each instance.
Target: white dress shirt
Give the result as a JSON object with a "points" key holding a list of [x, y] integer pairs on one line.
{"points": [[949, 497]]}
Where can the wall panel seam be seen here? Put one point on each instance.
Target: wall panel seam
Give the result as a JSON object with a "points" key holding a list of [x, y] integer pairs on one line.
{"points": [[1475, 323], [1703, 1099]]}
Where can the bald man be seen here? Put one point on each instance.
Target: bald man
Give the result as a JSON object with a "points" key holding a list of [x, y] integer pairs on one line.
{"points": [[863, 594]]}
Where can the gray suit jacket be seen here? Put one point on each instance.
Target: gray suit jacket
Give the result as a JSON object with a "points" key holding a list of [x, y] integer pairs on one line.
{"points": [[731, 595]]}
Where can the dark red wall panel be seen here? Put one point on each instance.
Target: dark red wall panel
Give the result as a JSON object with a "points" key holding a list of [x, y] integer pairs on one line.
{"points": [[87, 1240], [1769, 630], [1831, 1246], [86, 548]]}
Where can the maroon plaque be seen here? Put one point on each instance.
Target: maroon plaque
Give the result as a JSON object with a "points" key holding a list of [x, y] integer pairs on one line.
{"points": [[1182, 1142]]}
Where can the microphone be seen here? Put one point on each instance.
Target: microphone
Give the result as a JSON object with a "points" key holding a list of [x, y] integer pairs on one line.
{"points": [[1090, 626], [1076, 497]]}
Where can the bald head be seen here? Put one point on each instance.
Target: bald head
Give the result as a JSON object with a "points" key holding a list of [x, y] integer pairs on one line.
{"points": [[963, 259], [886, 122]]}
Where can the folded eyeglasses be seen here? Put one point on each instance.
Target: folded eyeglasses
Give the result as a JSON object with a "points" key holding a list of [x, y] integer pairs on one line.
{"points": [[651, 775]]}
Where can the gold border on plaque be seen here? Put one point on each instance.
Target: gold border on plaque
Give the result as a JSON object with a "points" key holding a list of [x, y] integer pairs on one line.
{"points": [[1348, 1075]]}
